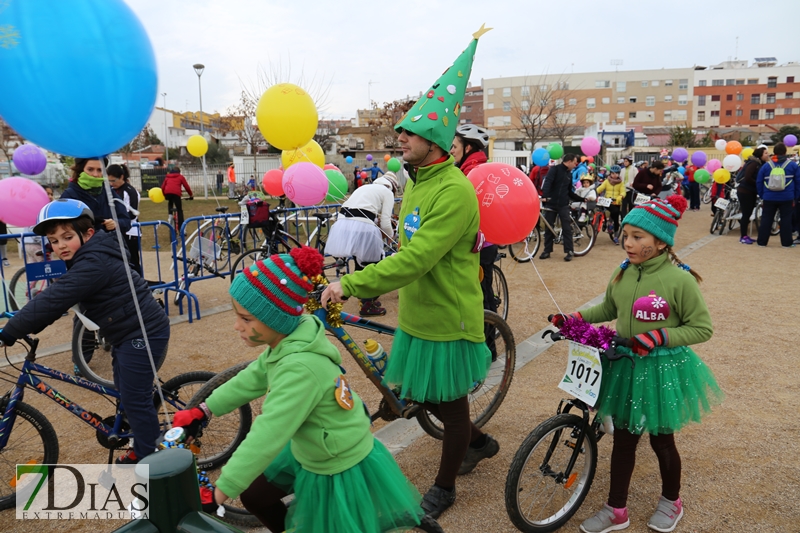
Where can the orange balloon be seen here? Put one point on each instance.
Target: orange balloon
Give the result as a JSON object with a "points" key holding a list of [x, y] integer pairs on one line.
{"points": [[387, 157], [583, 158], [733, 147]]}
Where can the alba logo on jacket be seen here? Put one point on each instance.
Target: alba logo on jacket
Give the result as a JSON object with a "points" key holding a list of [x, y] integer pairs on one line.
{"points": [[651, 308]]}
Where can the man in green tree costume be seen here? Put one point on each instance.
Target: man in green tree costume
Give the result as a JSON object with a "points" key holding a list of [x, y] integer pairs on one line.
{"points": [[439, 350]]}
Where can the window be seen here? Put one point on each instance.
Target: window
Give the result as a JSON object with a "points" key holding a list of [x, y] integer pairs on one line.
{"points": [[738, 112], [563, 86], [621, 86], [770, 98], [680, 114], [632, 99], [789, 79], [716, 83], [490, 105], [590, 117], [560, 103], [668, 83], [496, 121], [739, 97], [620, 99], [620, 114], [739, 82], [668, 98], [772, 82], [728, 97], [590, 103], [632, 114], [573, 101], [506, 91], [667, 116], [602, 84], [490, 91], [714, 114], [543, 88], [728, 113], [644, 84], [701, 100], [789, 95], [655, 83], [606, 100], [701, 116], [650, 101], [567, 118], [755, 98], [506, 106], [466, 109], [683, 99], [683, 84], [730, 82], [715, 98], [787, 111], [526, 90], [752, 81], [701, 83], [770, 114], [604, 117], [506, 121], [754, 114], [525, 105]]}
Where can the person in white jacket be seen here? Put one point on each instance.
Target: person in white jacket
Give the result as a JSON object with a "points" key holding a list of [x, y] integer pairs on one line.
{"points": [[627, 175], [588, 193], [364, 219]]}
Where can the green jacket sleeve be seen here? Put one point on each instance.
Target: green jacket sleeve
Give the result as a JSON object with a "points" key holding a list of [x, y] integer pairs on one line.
{"points": [[605, 311], [694, 317], [250, 383], [286, 407], [443, 227]]}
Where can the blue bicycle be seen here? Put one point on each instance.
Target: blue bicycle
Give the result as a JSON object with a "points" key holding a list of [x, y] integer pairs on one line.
{"points": [[27, 437]]}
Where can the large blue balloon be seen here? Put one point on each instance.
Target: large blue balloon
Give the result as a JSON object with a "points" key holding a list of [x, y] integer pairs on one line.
{"points": [[541, 157], [79, 77]]}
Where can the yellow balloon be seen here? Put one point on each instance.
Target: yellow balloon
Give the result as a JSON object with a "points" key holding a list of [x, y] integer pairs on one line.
{"points": [[310, 153], [722, 176], [287, 116], [746, 153], [197, 145], [156, 195]]}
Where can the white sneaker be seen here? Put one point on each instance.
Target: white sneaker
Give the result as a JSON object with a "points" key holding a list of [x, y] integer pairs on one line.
{"points": [[607, 519], [6, 263], [667, 515], [582, 218]]}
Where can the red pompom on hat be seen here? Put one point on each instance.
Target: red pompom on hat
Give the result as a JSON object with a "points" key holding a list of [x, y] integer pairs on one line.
{"points": [[309, 260], [679, 203]]}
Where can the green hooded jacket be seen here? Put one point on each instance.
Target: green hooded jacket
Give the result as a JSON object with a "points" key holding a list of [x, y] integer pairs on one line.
{"points": [[435, 270], [676, 304], [300, 375]]}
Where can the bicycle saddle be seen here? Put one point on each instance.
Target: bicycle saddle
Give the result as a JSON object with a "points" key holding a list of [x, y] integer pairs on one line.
{"points": [[222, 209], [322, 216]]}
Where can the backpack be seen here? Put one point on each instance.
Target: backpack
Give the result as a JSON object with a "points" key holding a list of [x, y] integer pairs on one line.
{"points": [[776, 181], [740, 175]]}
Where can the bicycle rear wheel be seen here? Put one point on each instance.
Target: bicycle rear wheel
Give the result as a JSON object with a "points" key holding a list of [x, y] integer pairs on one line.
{"points": [[31, 440], [583, 237], [485, 396], [18, 289], [706, 194], [91, 355], [500, 291], [540, 495], [525, 250]]}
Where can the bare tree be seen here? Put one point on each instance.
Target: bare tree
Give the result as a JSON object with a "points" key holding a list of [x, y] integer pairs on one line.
{"points": [[382, 120], [546, 109], [9, 140], [563, 118], [145, 138], [239, 120]]}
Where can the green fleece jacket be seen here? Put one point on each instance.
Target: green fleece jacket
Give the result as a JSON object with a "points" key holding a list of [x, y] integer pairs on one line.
{"points": [[435, 270], [676, 304], [300, 376]]}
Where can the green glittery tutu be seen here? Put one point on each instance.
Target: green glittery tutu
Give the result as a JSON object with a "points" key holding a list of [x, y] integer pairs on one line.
{"points": [[435, 371], [373, 496], [666, 390]]}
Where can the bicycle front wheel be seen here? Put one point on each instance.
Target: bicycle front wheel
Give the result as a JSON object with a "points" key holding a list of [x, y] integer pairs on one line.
{"points": [[247, 260], [583, 237], [500, 291], [706, 194], [31, 440], [716, 221], [541, 495], [524, 251], [485, 396]]}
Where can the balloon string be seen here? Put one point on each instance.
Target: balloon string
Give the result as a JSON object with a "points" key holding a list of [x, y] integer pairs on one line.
{"points": [[533, 263]]}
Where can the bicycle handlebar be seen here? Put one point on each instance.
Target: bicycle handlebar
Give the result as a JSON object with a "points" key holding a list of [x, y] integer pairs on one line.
{"points": [[610, 353]]}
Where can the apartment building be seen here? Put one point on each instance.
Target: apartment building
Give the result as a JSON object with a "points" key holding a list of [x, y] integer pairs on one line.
{"points": [[472, 108]]}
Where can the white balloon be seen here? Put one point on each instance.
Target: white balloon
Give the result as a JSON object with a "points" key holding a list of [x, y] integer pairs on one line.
{"points": [[732, 162], [720, 144]]}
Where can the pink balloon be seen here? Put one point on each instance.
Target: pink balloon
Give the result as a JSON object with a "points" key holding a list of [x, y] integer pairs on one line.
{"points": [[21, 200], [305, 184], [713, 165], [590, 146]]}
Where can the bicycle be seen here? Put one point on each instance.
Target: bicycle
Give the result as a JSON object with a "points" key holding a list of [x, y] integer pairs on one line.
{"points": [[277, 241], [485, 396], [602, 223], [726, 207], [19, 288], [499, 287], [28, 437], [554, 467], [583, 237]]}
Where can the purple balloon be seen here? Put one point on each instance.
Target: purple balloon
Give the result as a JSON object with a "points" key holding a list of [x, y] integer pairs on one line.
{"points": [[30, 160], [680, 155], [369, 157], [699, 158], [790, 140]]}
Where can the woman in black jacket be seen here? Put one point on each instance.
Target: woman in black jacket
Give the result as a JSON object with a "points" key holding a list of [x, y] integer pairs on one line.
{"points": [[86, 185], [648, 180], [747, 193]]}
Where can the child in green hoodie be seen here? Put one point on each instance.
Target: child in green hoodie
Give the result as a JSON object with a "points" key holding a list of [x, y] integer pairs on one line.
{"points": [[313, 437], [656, 301]]}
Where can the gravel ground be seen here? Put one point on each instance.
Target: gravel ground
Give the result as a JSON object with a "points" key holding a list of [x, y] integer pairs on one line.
{"points": [[733, 477]]}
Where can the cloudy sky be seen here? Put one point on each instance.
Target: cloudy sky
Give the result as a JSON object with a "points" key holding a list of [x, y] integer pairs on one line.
{"points": [[402, 47]]}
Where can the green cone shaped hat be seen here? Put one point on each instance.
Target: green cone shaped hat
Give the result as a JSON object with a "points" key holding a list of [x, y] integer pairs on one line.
{"points": [[435, 116]]}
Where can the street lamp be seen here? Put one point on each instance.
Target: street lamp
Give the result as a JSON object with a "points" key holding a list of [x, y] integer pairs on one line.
{"points": [[166, 139], [198, 69]]}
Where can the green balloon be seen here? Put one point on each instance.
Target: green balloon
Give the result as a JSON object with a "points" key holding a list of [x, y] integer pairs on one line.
{"points": [[556, 150], [393, 164], [337, 186], [702, 176]]}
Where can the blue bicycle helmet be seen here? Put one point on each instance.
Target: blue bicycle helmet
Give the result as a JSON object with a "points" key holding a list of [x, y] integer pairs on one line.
{"points": [[65, 209], [616, 169]]}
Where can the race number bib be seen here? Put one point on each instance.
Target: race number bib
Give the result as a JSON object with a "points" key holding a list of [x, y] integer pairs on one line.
{"points": [[721, 203], [244, 217], [604, 202], [584, 373], [640, 199]]}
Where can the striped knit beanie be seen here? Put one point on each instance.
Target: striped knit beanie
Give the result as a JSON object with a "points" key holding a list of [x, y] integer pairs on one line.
{"points": [[658, 217], [274, 289]]}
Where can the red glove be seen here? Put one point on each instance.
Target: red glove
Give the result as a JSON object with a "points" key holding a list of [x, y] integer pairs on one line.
{"points": [[559, 319], [644, 343], [191, 419]]}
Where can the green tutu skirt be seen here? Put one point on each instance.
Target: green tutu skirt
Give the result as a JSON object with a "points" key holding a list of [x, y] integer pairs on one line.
{"points": [[373, 496], [663, 392], [435, 371]]}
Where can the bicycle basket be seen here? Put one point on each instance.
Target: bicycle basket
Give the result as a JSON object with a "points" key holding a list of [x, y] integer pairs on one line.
{"points": [[204, 247], [259, 213]]}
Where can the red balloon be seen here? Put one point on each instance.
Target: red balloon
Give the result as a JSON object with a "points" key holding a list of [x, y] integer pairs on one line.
{"points": [[591, 159], [364, 175], [509, 203], [273, 182]]}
